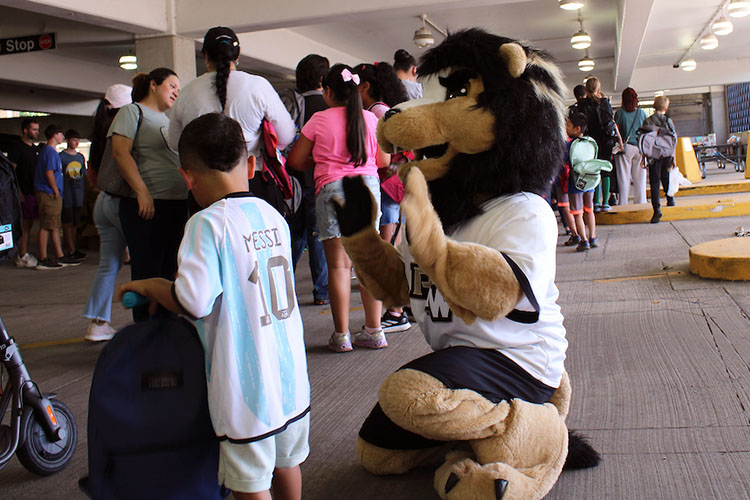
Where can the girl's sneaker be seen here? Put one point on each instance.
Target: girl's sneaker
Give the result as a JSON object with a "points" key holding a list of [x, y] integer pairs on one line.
{"points": [[340, 342], [572, 241], [583, 246], [594, 242], [370, 340], [393, 324]]}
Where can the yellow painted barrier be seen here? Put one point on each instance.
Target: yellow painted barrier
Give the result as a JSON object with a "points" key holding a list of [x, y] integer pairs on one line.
{"points": [[747, 159], [686, 160], [727, 259]]}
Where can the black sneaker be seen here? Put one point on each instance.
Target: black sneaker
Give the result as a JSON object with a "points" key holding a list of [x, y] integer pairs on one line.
{"points": [[656, 218], [77, 255], [573, 240], [594, 242], [67, 261], [670, 201], [583, 246], [392, 324], [46, 264]]}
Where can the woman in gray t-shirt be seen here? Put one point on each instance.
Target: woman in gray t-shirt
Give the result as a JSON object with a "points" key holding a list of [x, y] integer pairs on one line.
{"points": [[154, 217]]}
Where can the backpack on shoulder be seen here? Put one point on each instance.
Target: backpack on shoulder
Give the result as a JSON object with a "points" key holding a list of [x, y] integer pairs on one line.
{"points": [[601, 124], [274, 184], [10, 210], [149, 430], [585, 168], [656, 142]]}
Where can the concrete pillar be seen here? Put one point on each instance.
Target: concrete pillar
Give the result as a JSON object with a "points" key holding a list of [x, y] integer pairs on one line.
{"points": [[168, 51], [719, 114]]}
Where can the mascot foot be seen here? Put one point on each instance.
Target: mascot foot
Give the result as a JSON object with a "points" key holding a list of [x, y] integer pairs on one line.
{"points": [[381, 461], [461, 478]]}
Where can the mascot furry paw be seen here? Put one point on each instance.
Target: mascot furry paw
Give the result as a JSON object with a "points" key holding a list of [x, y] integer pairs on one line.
{"points": [[477, 266]]}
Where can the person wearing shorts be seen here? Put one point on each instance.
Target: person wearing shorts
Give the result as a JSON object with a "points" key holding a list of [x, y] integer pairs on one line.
{"points": [[48, 185], [581, 202], [74, 173], [251, 328]]}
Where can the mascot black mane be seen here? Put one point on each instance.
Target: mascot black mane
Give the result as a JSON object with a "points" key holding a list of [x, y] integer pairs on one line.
{"points": [[477, 267]]}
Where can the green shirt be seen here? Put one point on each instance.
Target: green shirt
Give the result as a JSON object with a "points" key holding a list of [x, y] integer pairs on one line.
{"points": [[629, 122], [157, 163]]}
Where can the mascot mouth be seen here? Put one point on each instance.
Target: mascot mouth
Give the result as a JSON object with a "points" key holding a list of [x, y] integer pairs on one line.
{"points": [[433, 151]]}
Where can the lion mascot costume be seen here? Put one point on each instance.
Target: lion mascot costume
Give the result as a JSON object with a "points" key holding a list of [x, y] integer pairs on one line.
{"points": [[477, 266]]}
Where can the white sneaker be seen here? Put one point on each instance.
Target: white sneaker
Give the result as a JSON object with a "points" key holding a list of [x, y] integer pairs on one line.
{"points": [[27, 260], [97, 333]]}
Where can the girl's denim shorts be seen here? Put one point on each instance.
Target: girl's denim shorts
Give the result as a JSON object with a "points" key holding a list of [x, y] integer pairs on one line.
{"points": [[325, 213]]}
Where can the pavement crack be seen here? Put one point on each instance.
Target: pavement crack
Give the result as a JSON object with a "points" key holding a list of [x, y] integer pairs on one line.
{"points": [[709, 321]]}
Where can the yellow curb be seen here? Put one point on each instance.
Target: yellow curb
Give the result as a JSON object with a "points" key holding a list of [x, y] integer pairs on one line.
{"points": [[726, 259], [687, 208], [701, 189]]}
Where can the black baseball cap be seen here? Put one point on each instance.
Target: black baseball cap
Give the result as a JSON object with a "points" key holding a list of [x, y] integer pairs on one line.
{"points": [[217, 36]]}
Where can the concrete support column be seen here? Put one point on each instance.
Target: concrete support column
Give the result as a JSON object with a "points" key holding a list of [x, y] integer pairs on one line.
{"points": [[168, 51], [719, 114]]}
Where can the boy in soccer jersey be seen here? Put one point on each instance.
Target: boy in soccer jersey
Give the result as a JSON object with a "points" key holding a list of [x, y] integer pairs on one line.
{"points": [[235, 278]]}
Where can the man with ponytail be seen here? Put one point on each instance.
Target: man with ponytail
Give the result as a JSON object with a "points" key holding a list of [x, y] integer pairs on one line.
{"points": [[248, 99]]}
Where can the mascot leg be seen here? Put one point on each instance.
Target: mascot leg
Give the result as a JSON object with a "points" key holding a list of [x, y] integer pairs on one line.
{"points": [[382, 461]]}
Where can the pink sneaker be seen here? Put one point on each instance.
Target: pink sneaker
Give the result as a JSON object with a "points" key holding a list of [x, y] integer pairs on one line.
{"points": [[340, 342], [370, 340]]}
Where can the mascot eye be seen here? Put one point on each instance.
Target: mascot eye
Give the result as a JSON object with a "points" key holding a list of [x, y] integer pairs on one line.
{"points": [[462, 92]]}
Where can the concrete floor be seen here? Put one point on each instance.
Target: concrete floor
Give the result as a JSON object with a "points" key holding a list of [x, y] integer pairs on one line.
{"points": [[659, 359]]}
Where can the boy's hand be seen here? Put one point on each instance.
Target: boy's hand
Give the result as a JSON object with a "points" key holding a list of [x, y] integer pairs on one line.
{"points": [[148, 288]]}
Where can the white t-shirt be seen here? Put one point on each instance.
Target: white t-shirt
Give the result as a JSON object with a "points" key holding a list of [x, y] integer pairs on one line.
{"points": [[250, 99], [523, 227], [235, 274], [413, 89]]}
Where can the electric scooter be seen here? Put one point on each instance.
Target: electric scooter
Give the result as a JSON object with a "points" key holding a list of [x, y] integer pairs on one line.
{"points": [[42, 431]]}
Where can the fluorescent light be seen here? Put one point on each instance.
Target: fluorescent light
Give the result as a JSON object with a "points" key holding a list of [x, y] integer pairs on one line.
{"points": [[688, 65], [129, 62], [570, 4], [709, 42], [722, 26], [737, 8], [646, 103], [423, 37], [586, 64], [580, 40]]}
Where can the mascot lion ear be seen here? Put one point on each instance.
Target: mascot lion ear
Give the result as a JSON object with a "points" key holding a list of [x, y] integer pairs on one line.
{"points": [[515, 57]]}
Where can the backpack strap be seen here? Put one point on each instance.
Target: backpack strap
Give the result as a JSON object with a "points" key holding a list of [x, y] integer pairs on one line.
{"points": [[526, 317]]}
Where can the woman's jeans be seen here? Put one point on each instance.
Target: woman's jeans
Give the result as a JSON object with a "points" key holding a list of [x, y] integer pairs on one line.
{"points": [[111, 248], [153, 243]]}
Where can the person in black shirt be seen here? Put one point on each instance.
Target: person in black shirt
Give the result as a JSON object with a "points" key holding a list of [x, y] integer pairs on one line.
{"points": [[23, 157], [302, 103]]}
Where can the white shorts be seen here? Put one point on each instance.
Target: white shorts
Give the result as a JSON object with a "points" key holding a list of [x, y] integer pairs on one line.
{"points": [[248, 468]]}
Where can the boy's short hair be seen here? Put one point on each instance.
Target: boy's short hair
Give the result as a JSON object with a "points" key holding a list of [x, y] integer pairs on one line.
{"points": [[27, 122], [72, 134], [51, 130], [661, 103], [310, 72], [214, 141], [578, 120], [579, 92]]}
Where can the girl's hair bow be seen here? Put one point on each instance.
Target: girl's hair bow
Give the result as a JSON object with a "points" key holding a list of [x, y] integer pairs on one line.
{"points": [[349, 77]]}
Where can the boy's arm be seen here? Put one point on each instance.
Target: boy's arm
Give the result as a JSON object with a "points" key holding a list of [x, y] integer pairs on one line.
{"points": [[156, 290], [50, 176]]}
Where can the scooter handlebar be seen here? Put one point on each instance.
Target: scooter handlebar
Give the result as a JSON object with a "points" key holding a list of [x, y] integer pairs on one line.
{"points": [[133, 299]]}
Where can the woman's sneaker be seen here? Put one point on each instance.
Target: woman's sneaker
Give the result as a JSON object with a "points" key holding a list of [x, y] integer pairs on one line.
{"points": [[46, 264], [393, 324], [370, 340], [67, 261], [97, 332], [340, 342]]}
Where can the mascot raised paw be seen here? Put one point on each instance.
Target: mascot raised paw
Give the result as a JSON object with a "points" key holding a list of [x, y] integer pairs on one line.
{"points": [[477, 266]]}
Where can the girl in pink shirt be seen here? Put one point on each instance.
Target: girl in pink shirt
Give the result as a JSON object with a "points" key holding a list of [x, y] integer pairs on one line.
{"points": [[341, 140]]}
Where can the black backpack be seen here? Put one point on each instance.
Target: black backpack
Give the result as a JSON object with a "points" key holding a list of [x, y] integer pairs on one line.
{"points": [[10, 210], [601, 123], [149, 430]]}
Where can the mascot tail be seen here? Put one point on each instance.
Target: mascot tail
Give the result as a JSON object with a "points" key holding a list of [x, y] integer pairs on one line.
{"points": [[581, 455]]}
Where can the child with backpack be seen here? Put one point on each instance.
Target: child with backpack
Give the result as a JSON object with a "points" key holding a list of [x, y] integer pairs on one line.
{"points": [[660, 156], [235, 277], [342, 142], [584, 177]]}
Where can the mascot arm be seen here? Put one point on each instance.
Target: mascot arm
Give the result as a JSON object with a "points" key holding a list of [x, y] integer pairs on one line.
{"points": [[377, 262], [475, 280]]}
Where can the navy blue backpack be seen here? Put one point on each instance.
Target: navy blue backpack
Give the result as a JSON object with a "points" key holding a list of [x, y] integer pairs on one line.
{"points": [[149, 430]]}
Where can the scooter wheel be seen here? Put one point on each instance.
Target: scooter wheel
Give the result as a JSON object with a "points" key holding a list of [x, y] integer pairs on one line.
{"points": [[37, 453]]}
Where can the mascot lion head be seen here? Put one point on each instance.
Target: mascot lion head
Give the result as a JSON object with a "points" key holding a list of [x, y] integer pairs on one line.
{"points": [[492, 122]]}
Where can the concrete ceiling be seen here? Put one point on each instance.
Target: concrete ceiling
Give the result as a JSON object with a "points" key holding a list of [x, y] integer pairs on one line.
{"points": [[635, 42]]}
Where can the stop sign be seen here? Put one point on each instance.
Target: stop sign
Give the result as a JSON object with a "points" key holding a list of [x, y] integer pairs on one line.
{"points": [[45, 41]]}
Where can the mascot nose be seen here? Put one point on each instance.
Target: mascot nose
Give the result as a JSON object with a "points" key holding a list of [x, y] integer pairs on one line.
{"points": [[390, 113]]}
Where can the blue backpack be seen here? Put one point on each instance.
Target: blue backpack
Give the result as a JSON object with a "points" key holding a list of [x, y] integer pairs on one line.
{"points": [[149, 430]]}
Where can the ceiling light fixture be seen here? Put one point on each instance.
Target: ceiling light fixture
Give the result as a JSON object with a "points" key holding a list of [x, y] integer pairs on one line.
{"points": [[586, 64], [709, 42], [423, 36], [688, 64], [570, 4], [581, 40], [738, 8], [722, 26], [128, 62]]}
